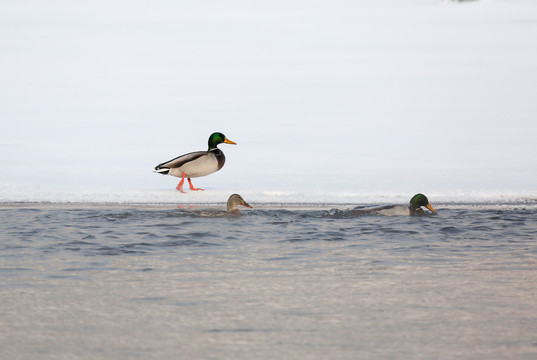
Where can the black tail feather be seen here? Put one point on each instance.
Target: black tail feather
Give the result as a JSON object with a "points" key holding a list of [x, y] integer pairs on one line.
{"points": [[162, 170]]}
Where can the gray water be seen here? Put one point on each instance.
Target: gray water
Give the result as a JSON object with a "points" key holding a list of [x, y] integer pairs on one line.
{"points": [[157, 282]]}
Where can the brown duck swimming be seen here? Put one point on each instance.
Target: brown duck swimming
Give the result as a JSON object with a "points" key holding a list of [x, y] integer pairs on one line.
{"points": [[232, 210]]}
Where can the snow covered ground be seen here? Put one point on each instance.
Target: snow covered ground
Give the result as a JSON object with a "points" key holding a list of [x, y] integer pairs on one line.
{"points": [[345, 101]]}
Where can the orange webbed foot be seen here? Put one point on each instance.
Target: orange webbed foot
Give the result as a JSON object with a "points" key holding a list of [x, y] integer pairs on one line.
{"points": [[192, 186]]}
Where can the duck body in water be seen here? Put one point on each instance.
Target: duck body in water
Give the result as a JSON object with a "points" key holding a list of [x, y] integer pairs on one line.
{"points": [[414, 208], [232, 209]]}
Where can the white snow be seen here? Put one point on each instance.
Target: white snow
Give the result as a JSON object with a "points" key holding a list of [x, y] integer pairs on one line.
{"points": [[345, 101]]}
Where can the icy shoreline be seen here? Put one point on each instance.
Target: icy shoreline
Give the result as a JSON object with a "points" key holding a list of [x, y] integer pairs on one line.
{"points": [[211, 197]]}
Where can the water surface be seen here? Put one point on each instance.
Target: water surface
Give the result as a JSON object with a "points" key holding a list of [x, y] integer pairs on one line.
{"points": [[160, 282]]}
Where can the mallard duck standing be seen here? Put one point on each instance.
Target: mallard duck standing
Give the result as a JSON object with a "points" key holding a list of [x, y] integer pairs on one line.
{"points": [[414, 208], [196, 164]]}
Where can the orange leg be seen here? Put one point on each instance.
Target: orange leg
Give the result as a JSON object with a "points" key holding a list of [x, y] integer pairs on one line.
{"points": [[180, 185], [192, 186]]}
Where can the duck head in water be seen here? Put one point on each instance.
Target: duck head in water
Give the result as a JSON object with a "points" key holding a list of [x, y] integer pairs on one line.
{"points": [[232, 203], [417, 202]]}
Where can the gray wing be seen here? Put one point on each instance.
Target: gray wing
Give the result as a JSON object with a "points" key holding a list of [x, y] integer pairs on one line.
{"points": [[370, 210], [180, 160]]}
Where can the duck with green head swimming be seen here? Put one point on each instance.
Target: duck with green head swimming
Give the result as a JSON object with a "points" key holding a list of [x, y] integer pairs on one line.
{"points": [[414, 208]]}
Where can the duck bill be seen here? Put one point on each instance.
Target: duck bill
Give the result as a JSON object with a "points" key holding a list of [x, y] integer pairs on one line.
{"points": [[431, 208], [227, 141], [246, 204]]}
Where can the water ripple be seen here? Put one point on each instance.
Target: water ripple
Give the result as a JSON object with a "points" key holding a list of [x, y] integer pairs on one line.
{"points": [[140, 231], [450, 230]]}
